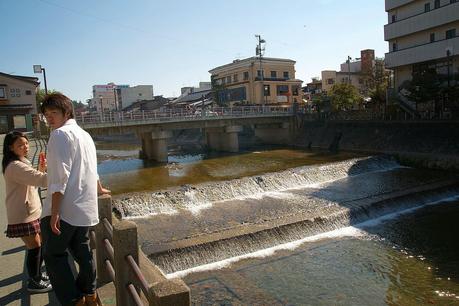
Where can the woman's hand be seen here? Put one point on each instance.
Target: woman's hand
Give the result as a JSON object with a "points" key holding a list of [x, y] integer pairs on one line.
{"points": [[42, 165]]}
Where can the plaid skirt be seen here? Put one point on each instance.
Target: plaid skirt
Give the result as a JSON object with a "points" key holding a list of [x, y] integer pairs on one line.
{"points": [[23, 229]]}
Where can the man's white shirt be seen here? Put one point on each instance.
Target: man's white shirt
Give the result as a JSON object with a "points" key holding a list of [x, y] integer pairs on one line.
{"points": [[72, 171]]}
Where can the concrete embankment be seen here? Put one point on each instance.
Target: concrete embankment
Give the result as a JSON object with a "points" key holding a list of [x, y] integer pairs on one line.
{"points": [[430, 144]]}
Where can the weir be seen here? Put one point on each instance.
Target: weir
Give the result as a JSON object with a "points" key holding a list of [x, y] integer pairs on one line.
{"points": [[194, 225], [217, 248]]}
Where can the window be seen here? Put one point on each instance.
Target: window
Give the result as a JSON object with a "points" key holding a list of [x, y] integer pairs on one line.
{"points": [[19, 122], [2, 93], [394, 47], [246, 75], [28, 92], [259, 73], [452, 1], [274, 74], [432, 37], [426, 7], [286, 75], [228, 79], [330, 81], [267, 90], [450, 33], [394, 18], [235, 78], [437, 4], [282, 90]]}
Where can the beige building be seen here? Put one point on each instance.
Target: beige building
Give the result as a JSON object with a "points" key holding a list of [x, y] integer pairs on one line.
{"points": [[352, 72], [18, 101], [104, 98], [247, 82], [422, 34]]}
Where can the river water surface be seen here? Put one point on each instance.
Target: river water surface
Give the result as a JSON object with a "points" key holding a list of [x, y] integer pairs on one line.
{"points": [[403, 259]]}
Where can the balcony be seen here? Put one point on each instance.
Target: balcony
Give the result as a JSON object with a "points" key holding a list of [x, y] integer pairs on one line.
{"points": [[391, 4], [422, 22], [422, 53]]}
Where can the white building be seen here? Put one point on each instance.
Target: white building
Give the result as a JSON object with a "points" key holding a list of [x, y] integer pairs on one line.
{"points": [[129, 95], [112, 97], [422, 34]]}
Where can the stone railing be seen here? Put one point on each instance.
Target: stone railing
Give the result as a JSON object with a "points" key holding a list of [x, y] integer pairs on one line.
{"points": [[120, 262]]}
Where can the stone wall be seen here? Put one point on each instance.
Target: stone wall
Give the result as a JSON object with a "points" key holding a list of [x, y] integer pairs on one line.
{"points": [[430, 144]]}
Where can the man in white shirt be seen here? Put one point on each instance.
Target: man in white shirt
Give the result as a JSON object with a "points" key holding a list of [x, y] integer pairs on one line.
{"points": [[71, 205]]}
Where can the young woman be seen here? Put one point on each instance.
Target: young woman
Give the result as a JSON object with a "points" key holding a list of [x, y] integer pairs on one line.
{"points": [[23, 207]]}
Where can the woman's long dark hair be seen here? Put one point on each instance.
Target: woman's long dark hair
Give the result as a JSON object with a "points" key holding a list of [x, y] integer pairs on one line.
{"points": [[8, 155]]}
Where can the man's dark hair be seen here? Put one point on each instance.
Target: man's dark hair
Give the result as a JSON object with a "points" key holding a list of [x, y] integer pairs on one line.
{"points": [[58, 101]]}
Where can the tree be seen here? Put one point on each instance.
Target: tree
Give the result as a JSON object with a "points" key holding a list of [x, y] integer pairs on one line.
{"points": [[343, 96], [41, 95], [424, 87]]}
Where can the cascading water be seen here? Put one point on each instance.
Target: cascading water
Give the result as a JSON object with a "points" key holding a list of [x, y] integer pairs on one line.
{"points": [[202, 196], [185, 258], [195, 225]]}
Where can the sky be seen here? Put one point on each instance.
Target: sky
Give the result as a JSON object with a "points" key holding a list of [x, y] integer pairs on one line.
{"points": [[173, 44]]}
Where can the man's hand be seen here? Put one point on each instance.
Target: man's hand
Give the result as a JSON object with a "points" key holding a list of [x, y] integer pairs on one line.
{"points": [[101, 189], [55, 224]]}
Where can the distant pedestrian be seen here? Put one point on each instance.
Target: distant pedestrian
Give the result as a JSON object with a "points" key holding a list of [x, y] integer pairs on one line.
{"points": [[71, 206], [23, 207]]}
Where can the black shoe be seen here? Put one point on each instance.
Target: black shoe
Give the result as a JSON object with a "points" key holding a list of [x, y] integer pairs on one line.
{"points": [[45, 277], [39, 286]]}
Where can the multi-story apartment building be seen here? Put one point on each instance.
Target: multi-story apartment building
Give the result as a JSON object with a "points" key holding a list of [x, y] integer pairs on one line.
{"points": [[247, 81], [18, 102], [352, 72], [105, 97], [422, 34], [112, 97]]}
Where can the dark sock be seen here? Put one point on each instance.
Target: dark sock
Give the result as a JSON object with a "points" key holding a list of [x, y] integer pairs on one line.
{"points": [[33, 263]]}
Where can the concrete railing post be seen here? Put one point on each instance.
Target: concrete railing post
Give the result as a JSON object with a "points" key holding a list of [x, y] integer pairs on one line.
{"points": [[124, 244], [105, 211], [169, 292]]}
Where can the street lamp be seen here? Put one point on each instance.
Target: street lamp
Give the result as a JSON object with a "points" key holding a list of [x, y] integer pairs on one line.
{"points": [[39, 69]]}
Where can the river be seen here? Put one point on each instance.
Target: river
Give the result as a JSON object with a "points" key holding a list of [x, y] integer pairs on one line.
{"points": [[408, 255]]}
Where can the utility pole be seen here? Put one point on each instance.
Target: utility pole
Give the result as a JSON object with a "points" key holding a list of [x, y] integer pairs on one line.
{"points": [[349, 69], [259, 53]]}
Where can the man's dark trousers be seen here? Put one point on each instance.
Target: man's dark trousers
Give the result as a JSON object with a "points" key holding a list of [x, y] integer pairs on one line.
{"points": [[75, 239]]}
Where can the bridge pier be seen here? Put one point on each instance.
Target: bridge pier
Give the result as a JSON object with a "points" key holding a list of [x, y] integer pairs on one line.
{"points": [[154, 145], [223, 139], [278, 133]]}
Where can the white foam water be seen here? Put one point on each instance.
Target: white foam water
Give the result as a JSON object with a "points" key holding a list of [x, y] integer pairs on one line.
{"points": [[257, 187], [350, 231]]}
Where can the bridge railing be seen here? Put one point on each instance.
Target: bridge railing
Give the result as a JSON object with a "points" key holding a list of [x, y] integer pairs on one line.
{"points": [[181, 114], [119, 261]]}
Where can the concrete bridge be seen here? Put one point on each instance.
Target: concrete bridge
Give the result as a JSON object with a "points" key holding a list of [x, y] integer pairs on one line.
{"points": [[273, 125]]}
